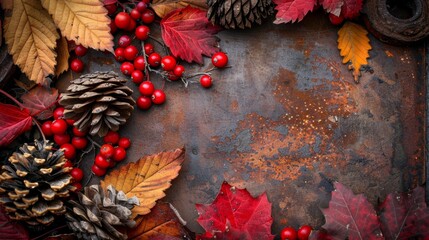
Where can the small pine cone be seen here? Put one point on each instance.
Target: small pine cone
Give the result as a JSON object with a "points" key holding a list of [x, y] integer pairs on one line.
{"points": [[238, 13], [97, 213], [98, 101], [34, 182]]}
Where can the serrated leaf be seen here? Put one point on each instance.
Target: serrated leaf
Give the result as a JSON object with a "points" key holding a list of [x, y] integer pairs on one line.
{"points": [[292, 10], [10, 229], [354, 47], [350, 216], [84, 22], [62, 57], [189, 34], [405, 215], [31, 38], [13, 122], [332, 6], [235, 214], [161, 223], [40, 101], [147, 179], [163, 7]]}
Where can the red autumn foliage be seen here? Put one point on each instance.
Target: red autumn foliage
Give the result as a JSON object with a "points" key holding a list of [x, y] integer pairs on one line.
{"points": [[10, 229], [332, 6], [13, 122], [351, 8], [189, 34], [235, 214], [292, 10], [40, 101]]}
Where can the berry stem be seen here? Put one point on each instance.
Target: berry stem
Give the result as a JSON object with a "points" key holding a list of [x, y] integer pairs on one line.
{"points": [[160, 43], [146, 66], [93, 142], [86, 151], [12, 98], [88, 180], [40, 128], [50, 232]]}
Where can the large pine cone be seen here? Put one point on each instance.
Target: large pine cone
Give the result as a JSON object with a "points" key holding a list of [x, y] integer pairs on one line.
{"points": [[97, 213], [33, 183], [238, 13], [98, 101]]}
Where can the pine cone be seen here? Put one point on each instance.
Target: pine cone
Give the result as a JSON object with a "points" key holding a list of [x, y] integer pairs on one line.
{"points": [[98, 101], [97, 213], [33, 182], [238, 13]]}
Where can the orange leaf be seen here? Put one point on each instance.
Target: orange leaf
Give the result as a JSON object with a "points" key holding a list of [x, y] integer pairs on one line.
{"points": [[163, 7], [62, 57], [160, 223], [147, 179], [354, 46]]}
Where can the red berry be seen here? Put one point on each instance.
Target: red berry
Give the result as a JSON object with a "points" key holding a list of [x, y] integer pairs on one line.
{"points": [[206, 81], [131, 52], [79, 142], [98, 171], [158, 97], [219, 59], [113, 27], [148, 48], [141, 6], [77, 185], [144, 102], [124, 142], [124, 41], [111, 137], [168, 63], [146, 1], [78, 133], [127, 68], [142, 32], [68, 164], [137, 76], [304, 232], [119, 154], [131, 26], [171, 76], [61, 139], [76, 65], [111, 8], [148, 16], [112, 163], [69, 151], [154, 59], [119, 54], [288, 233], [135, 14], [58, 112], [70, 121], [101, 162], [139, 63], [336, 20], [106, 150], [179, 70], [46, 128], [122, 20], [77, 174], [146, 88], [59, 126], [80, 50]]}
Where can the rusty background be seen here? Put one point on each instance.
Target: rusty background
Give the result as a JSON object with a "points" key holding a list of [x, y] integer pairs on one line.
{"points": [[288, 119]]}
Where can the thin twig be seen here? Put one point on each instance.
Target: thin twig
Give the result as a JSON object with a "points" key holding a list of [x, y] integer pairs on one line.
{"points": [[49, 232], [86, 151], [40, 129], [160, 43], [89, 179], [12, 98], [93, 142]]}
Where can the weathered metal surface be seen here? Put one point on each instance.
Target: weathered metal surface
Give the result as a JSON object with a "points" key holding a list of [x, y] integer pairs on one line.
{"points": [[287, 119]]}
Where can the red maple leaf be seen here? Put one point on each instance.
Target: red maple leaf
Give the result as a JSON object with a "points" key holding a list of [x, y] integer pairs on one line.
{"points": [[332, 6], [40, 101], [189, 34], [10, 229], [351, 8], [405, 216], [235, 214], [351, 216], [292, 10], [13, 122]]}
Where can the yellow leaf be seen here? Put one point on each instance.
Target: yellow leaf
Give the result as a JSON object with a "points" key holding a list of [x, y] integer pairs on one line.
{"points": [[31, 38], [85, 22], [162, 7], [63, 56], [147, 179], [353, 43]]}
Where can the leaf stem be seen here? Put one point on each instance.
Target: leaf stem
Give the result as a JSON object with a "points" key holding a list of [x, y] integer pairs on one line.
{"points": [[12, 98], [49, 232], [40, 129], [160, 43]]}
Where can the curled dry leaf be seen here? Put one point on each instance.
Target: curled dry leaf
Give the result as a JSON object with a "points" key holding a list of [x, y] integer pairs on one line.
{"points": [[161, 223], [292, 10], [13, 122], [40, 101], [31, 38], [63, 56], [147, 179], [354, 46], [163, 7], [85, 22]]}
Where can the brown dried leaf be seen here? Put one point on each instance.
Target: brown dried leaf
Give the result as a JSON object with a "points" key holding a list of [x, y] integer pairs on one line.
{"points": [[147, 179], [354, 46], [63, 56], [163, 7], [85, 22], [31, 38]]}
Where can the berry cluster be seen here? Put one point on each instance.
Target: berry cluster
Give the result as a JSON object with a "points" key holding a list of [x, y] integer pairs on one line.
{"points": [[289, 233], [112, 151], [76, 65]]}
